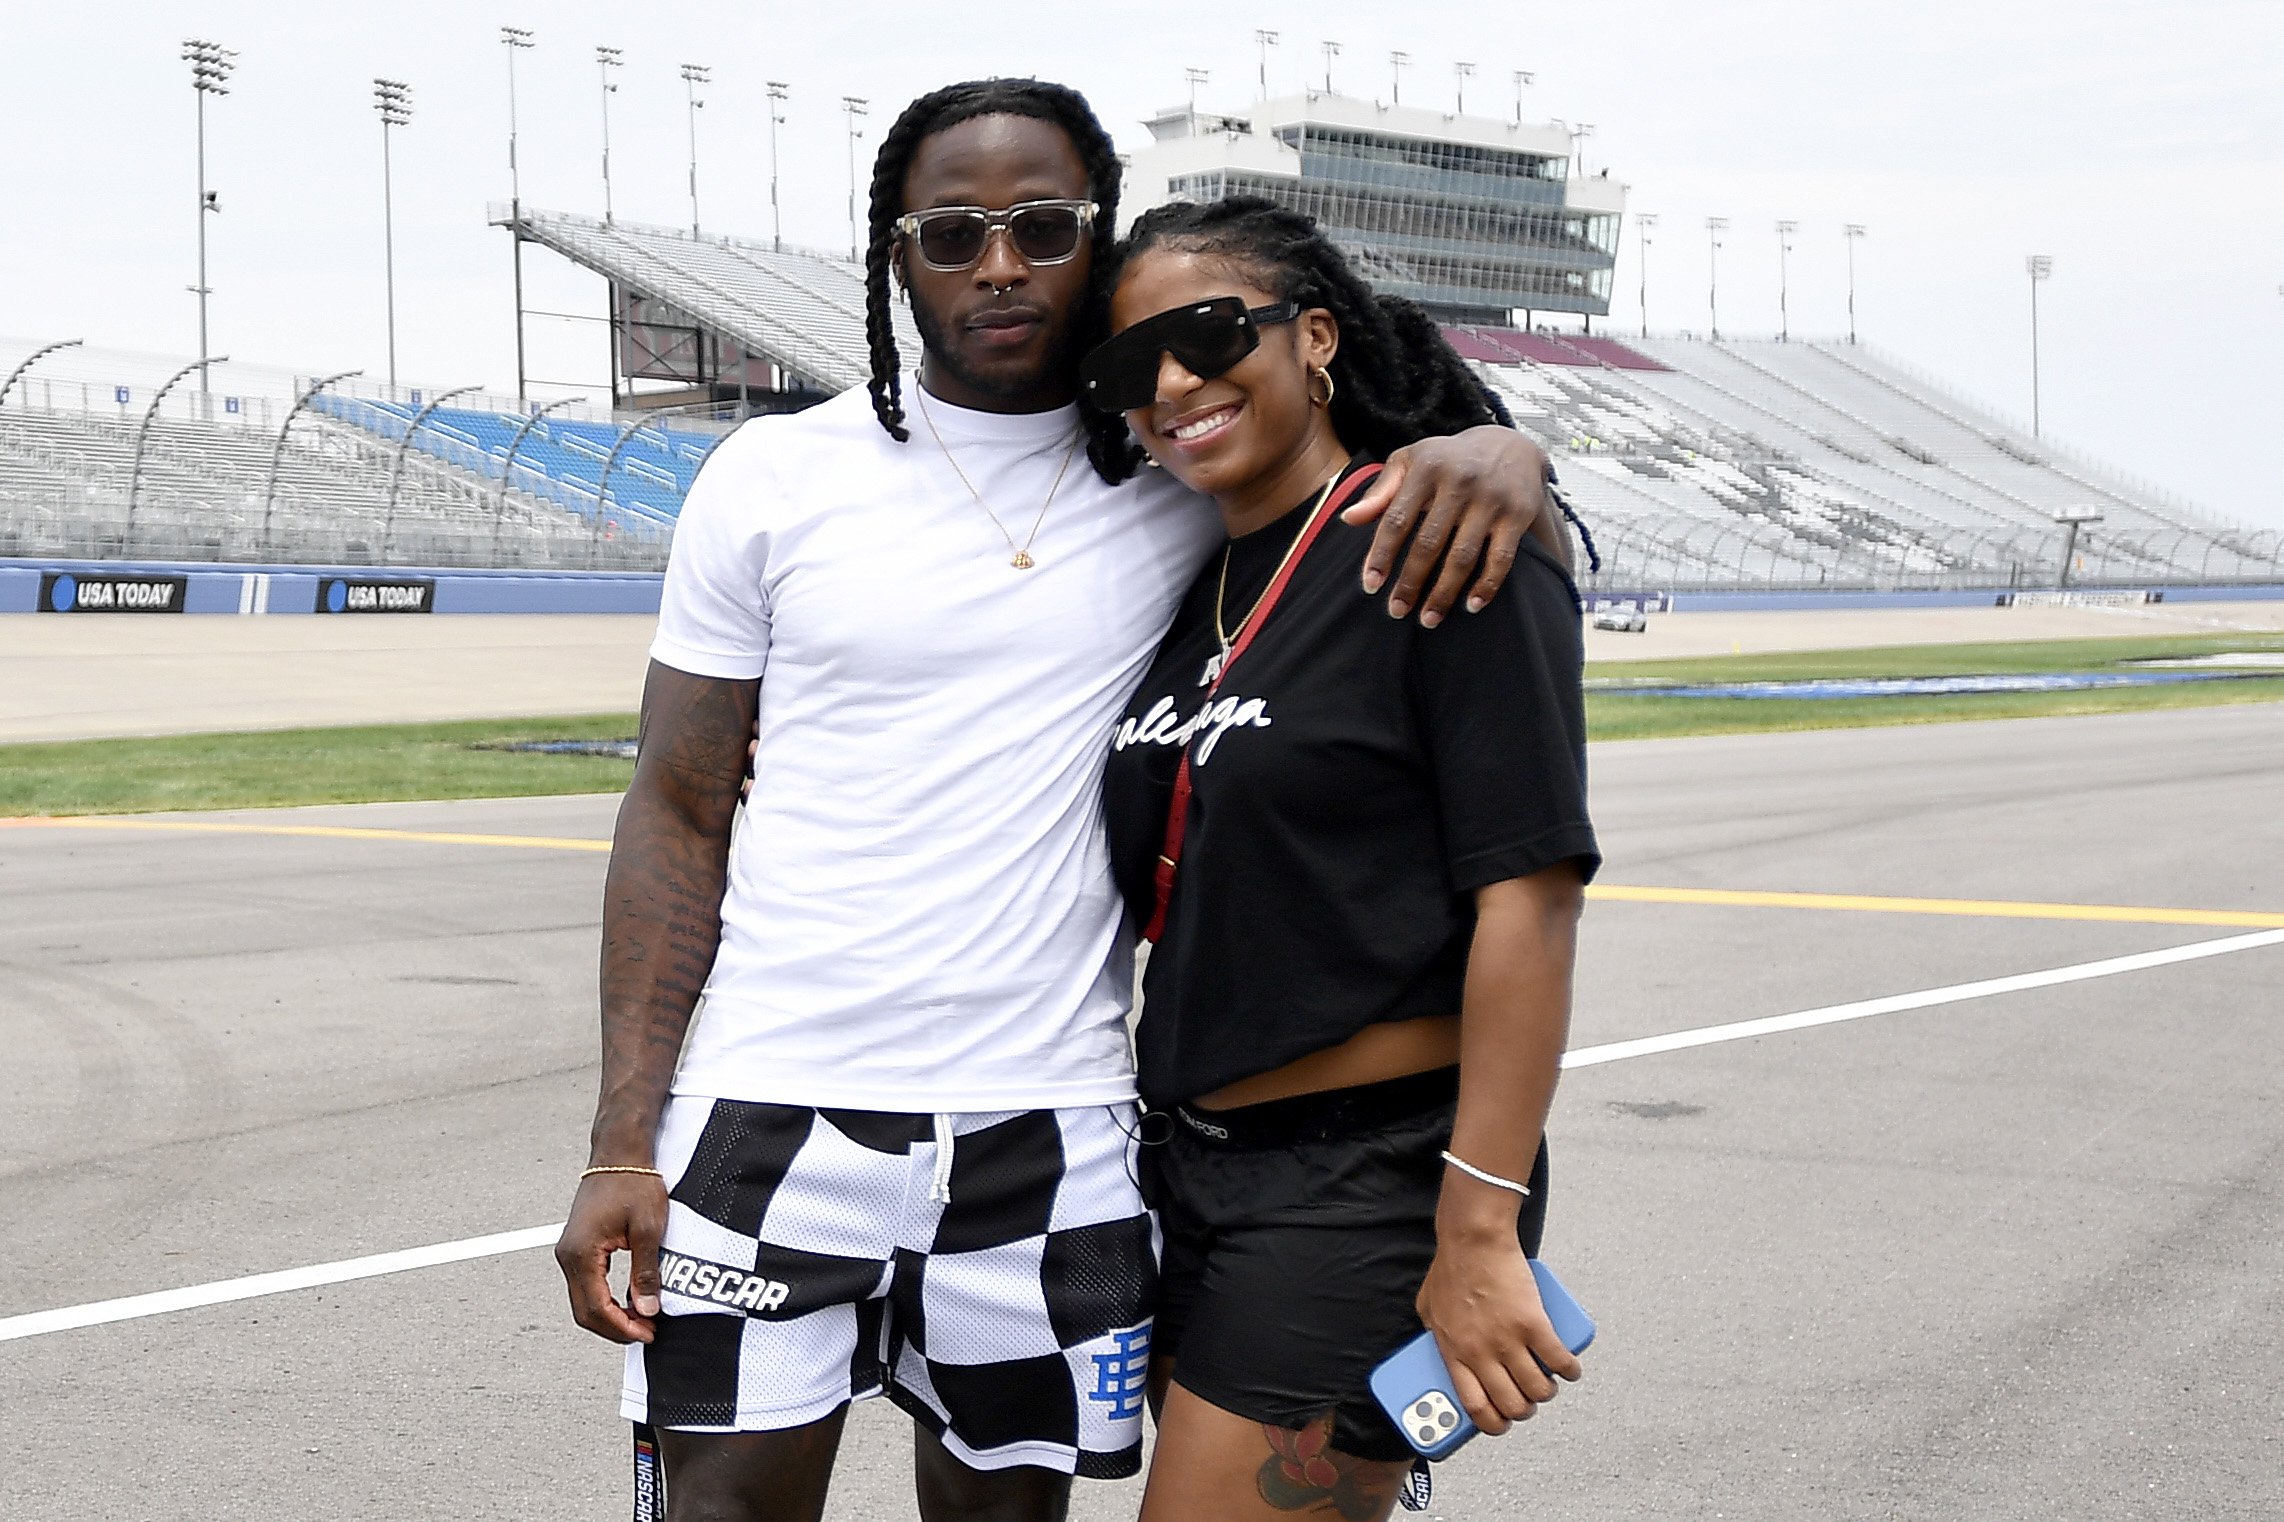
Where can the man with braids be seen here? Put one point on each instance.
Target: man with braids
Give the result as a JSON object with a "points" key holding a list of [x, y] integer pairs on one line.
{"points": [[894, 1153], [1361, 848]]}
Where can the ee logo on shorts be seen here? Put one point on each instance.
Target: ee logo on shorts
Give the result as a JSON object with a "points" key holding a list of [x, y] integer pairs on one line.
{"points": [[1122, 1375]]}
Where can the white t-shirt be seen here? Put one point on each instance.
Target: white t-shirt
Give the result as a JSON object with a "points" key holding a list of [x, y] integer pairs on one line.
{"points": [[920, 914]]}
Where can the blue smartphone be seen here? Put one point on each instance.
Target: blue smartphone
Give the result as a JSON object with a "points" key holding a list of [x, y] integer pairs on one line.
{"points": [[1414, 1388]]}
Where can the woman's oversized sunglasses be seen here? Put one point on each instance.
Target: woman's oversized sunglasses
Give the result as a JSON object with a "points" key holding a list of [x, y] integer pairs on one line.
{"points": [[1208, 337], [954, 237]]}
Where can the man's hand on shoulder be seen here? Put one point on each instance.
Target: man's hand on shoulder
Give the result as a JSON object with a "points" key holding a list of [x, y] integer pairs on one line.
{"points": [[1462, 506]]}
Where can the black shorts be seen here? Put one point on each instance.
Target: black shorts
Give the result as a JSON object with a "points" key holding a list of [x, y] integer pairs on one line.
{"points": [[1297, 1235]]}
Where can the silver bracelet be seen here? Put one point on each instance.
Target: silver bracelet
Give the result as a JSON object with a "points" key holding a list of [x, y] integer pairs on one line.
{"points": [[1492, 1179]]}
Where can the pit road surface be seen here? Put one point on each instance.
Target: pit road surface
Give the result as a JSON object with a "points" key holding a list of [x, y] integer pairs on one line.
{"points": [[2009, 1257]]}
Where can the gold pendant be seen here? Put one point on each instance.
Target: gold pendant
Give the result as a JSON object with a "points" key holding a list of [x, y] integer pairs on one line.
{"points": [[1023, 560]]}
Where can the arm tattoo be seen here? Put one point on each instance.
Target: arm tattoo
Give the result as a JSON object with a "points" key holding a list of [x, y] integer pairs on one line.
{"points": [[662, 898], [1304, 1473]]}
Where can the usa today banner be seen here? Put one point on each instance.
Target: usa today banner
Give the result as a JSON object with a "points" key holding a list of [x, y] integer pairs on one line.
{"points": [[356, 594], [80, 592]]}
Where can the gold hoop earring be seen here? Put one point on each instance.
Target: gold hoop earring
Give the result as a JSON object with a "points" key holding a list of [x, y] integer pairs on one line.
{"points": [[1320, 373]]}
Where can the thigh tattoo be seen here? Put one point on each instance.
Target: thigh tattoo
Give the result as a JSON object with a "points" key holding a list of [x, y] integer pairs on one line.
{"points": [[1305, 1473]]}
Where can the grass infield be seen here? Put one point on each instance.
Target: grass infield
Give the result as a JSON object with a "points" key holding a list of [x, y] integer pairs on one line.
{"points": [[388, 763], [1619, 716], [410, 762]]}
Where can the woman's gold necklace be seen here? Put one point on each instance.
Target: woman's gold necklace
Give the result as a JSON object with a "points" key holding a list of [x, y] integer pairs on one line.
{"points": [[1221, 630], [1022, 552]]}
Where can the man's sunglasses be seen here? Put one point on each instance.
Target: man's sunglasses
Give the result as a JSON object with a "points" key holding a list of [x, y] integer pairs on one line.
{"points": [[1208, 337], [954, 237]]}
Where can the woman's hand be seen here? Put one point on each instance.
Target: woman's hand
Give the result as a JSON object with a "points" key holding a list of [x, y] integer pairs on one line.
{"points": [[1482, 1303]]}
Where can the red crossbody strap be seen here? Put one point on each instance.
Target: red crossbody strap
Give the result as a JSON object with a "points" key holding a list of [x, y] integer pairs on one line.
{"points": [[1178, 811]]}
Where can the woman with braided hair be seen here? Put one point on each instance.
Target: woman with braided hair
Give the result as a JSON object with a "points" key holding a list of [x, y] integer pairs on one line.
{"points": [[1360, 846]]}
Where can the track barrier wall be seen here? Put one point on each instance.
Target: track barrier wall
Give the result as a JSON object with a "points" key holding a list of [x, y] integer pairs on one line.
{"points": [[89, 586], [28, 586]]}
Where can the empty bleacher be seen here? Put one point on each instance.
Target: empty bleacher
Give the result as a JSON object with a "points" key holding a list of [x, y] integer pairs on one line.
{"points": [[803, 309], [561, 459], [1767, 462], [1697, 463], [213, 482]]}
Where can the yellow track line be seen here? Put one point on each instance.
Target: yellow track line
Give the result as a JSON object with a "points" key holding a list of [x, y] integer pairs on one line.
{"points": [[1974, 908], [1725, 898]]}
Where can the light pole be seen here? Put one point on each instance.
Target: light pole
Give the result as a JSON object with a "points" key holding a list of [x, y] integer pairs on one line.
{"points": [[2040, 268], [210, 66], [1396, 62], [392, 98], [1713, 229], [852, 108], [1266, 40], [1331, 51], [1522, 78], [778, 95], [1784, 232], [1643, 222], [607, 59], [1196, 77], [694, 75], [1852, 231], [515, 39], [1459, 73]]}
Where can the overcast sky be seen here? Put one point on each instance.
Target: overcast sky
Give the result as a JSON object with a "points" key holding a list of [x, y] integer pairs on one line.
{"points": [[2140, 144]]}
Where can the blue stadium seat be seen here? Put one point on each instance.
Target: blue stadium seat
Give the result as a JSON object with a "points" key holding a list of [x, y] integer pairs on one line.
{"points": [[652, 476]]}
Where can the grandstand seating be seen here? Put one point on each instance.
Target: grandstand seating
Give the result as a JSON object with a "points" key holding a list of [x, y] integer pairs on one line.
{"points": [[561, 459], [804, 309], [1697, 463], [1704, 463], [67, 475], [1762, 461]]}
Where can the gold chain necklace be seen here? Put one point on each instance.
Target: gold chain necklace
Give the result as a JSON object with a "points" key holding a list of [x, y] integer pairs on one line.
{"points": [[1221, 630], [1022, 560]]}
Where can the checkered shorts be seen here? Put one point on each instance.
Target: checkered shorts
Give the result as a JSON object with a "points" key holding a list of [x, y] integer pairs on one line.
{"points": [[811, 1258]]}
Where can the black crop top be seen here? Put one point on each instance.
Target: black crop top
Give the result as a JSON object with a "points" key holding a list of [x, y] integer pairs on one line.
{"points": [[1355, 780]]}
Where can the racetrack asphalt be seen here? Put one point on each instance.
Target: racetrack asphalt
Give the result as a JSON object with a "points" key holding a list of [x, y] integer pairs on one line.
{"points": [[2014, 1256]]}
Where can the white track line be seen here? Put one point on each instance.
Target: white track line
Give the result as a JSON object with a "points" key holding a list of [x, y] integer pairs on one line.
{"points": [[1709, 1035], [40, 1323]]}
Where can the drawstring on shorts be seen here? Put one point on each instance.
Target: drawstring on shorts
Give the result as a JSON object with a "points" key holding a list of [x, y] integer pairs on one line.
{"points": [[940, 1183]]}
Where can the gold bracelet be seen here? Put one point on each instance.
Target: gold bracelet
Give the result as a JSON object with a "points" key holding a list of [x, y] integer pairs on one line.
{"points": [[591, 1172]]}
